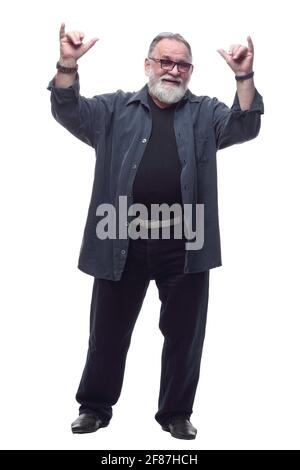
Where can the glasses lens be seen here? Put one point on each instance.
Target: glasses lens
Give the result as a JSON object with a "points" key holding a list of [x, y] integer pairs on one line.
{"points": [[184, 67], [167, 64]]}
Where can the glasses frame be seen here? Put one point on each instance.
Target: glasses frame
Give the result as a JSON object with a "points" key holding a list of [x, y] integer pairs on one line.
{"points": [[173, 65]]}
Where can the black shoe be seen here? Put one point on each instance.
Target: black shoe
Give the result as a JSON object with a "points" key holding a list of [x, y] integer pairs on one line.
{"points": [[181, 428], [87, 422]]}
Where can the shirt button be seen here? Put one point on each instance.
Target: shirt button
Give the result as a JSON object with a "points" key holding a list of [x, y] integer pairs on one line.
{"points": [[144, 141], [133, 167], [123, 252], [186, 186]]}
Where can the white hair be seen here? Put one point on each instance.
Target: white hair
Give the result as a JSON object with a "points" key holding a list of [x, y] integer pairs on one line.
{"points": [[168, 35], [163, 92]]}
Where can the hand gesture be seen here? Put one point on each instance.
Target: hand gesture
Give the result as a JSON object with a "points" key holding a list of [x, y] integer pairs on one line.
{"points": [[71, 45], [239, 58]]}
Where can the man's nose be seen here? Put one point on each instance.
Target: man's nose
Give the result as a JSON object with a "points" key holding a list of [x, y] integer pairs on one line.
{"points": [[175, 72]]}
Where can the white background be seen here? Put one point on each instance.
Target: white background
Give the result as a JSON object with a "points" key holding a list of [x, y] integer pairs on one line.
{"points": [[248, 394]]}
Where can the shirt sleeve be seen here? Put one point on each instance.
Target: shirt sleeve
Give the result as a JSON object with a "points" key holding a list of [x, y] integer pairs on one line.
{"points": [[79, 115], [234, 125]]}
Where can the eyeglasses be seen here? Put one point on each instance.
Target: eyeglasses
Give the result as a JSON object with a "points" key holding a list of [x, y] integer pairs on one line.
{"points": [[167, 64]]}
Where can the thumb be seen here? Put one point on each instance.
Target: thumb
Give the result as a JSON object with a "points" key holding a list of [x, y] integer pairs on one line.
{"points": [[90, 44], [224, 54]]}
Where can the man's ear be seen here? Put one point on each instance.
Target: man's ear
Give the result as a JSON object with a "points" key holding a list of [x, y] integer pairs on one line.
{"points": [[147, 67]]}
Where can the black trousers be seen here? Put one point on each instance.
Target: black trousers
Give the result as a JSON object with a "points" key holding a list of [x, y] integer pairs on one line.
{"points": [[115, 306]]}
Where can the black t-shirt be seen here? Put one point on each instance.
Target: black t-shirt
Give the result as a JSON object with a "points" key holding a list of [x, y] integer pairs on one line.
{"points": [[158, 177]]}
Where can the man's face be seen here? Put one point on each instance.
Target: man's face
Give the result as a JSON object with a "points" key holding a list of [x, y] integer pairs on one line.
{"points": [[168, 86]]}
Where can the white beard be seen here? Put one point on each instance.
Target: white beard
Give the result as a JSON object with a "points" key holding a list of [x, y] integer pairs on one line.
{"points": [[163, 91]]}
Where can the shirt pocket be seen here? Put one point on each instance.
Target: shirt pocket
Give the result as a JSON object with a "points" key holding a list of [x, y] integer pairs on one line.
{"points": [[201, 149]]}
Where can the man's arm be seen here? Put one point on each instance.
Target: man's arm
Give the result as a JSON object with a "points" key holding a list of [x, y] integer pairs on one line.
{"points": [[245, 91], [71, 49], [79, 115], [242, 121], [240, 60], [234, 125], [64, 80]]}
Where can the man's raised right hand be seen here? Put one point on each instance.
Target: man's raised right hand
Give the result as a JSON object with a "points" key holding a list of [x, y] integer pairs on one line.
{"points": [[71, 45]]}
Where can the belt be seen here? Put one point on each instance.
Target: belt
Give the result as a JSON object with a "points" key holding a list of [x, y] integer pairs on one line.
{"points": [[149, 223]]}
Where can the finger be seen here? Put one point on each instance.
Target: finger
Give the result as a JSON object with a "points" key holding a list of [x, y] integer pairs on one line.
{"points": [[230, 50], [77, 35], [81, 35], [224, 54], [239, 52], [62, 31], [250, 44], [233, 48], [74, 37], [90, 44]]}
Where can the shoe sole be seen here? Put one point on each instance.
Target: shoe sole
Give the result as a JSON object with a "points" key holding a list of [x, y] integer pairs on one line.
{"points": [[188, 438]]}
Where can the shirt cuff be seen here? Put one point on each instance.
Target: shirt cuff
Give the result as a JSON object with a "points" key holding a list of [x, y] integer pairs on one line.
{"points": [[257, 104], [65, 95]]}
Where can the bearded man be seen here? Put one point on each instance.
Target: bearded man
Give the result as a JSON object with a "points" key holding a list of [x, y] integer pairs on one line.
{"points": [[155, 147]]}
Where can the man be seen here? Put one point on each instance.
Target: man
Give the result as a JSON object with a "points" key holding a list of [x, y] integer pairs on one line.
{"points": [[156, 146]]}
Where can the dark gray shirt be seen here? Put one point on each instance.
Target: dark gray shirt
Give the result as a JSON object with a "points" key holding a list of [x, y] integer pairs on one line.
{"points": [[118, 125]]}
